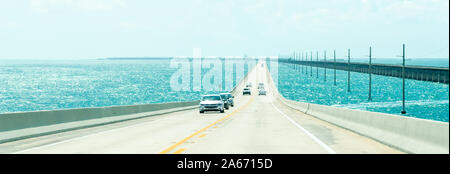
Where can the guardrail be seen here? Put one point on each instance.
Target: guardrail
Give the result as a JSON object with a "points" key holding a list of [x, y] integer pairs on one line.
{"points": [[409, 134]]}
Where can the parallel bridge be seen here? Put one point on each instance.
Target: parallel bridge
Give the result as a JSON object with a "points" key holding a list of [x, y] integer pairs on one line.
{"points": [[422, 73]]}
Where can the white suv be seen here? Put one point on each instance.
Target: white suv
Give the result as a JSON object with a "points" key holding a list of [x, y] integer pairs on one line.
{"points": [[211, 103]]}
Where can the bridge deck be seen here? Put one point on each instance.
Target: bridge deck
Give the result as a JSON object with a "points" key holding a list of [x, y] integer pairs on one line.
{"points": [[256, 124]]}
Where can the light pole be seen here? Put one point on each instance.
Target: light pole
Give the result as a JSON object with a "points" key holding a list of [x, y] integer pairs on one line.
{"points": [[317, 65], [306, 60], [348, 72], [370, 73], [403, 77], [302, 61], [334, 55], [311, 64], [324, 65]]}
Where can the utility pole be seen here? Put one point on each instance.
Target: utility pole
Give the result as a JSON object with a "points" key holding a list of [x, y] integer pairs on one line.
{"points": [[403, 76], [306, 60], [296, 58], [348, 72], [370, 73], [311, 63], [334, 55], [295, 67], [324, 65], [298, 61], [317, 65], [302, 61]]}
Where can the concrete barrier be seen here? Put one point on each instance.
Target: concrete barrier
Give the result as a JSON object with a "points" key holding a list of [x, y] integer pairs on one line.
{"points": [[409, 134], [16, 126]]}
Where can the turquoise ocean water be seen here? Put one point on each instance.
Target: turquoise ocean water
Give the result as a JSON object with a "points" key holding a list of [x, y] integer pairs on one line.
{"points": [[50, 85], [422, 99]]}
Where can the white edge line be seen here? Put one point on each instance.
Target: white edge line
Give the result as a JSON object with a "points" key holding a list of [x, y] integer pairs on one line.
{"points": [[328, 149]]}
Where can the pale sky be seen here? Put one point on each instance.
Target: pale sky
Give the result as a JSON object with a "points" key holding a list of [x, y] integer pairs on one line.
{"points": [[85, 29]]}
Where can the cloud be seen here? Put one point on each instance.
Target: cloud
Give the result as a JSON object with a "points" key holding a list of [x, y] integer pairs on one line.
{"points": [[44, 6]]}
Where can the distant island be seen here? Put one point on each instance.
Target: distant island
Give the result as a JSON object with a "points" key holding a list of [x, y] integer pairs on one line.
{"points": [[160, 58], [133, 58]]}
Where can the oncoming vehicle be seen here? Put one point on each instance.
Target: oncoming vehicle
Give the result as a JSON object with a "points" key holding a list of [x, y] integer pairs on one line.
{"points": [[211, 103], [246, 91]]}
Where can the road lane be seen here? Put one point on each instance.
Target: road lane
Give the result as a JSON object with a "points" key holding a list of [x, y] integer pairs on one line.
{"points": [[258, 129]]}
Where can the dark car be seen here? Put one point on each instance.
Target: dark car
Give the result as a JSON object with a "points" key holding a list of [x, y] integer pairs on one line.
{"points": [[229, 97], [246, 91], [226, 101]]}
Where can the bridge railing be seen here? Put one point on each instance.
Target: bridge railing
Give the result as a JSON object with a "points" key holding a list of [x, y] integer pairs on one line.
{"points": [[421, 73]]}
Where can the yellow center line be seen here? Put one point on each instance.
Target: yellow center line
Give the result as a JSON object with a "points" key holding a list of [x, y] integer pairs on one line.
{"points": [[203, 129], [202, 135], [179, 151]]}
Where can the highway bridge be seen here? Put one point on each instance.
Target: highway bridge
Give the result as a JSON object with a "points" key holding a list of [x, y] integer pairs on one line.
{"points": [[256, 124]]}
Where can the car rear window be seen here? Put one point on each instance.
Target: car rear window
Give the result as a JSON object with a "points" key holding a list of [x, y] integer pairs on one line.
{"points": [[211, 97]]}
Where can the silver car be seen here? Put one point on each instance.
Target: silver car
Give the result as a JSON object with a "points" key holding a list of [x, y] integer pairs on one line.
{"points": [[261, 86], [262, 91], [211, 103]]}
